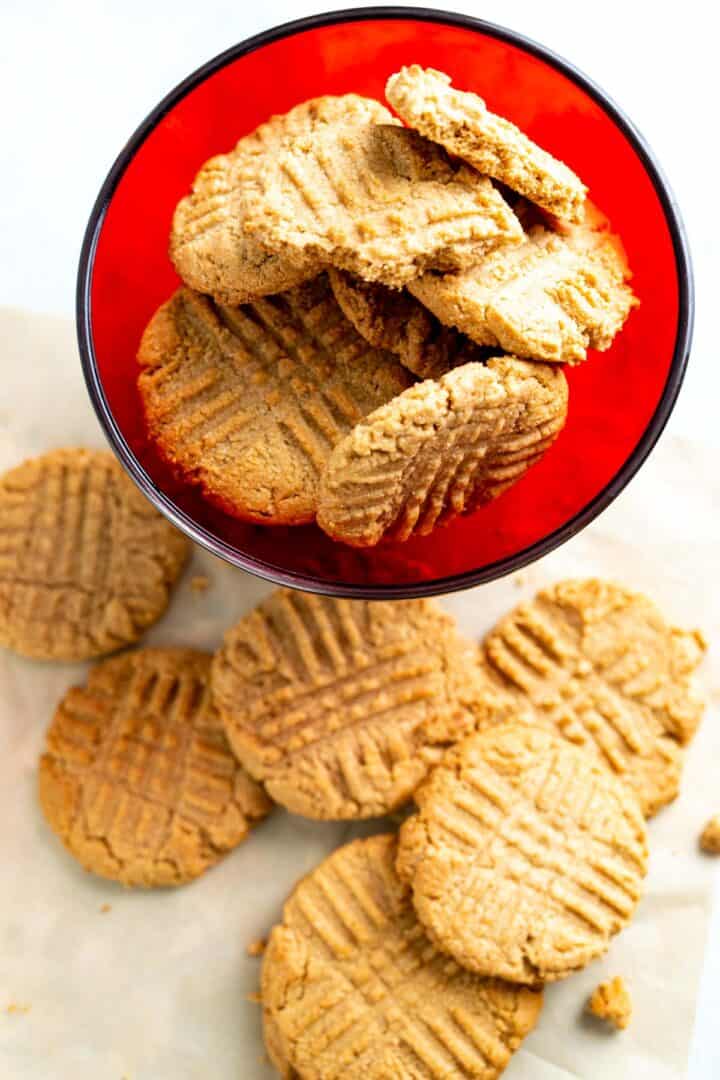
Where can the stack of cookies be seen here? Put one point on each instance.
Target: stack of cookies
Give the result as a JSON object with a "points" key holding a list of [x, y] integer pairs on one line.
{"points": [[532, 761], [374, 316]]}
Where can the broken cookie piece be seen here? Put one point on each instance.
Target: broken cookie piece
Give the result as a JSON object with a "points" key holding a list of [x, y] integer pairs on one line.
{"points": [[710, 836], [461, 122], [611, 1001], [550, 298]]}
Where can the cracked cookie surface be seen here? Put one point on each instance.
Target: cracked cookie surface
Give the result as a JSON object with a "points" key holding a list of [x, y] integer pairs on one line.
{"points": [[211, 250], [341, 707], [137, 778], [440, 449], [461, 122], [86, 562], [599, 665], [248, 402], [379, 201], [525, 856], [352, 988], [551, 298]]}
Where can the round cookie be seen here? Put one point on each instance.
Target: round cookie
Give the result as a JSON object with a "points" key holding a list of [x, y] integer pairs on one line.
{"points": [[378, 200], [357, 992], [599, 665], [137, 778], [341, 707], [396, 321], [209, 245], [440, 449], [249, 402], [86, 563], [525, 856], [461, 122]]}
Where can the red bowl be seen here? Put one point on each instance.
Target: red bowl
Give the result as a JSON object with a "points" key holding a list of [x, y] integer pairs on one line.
{"points": [[619, 400]]}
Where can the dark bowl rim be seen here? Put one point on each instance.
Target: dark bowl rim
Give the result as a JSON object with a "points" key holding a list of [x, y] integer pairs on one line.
{"points": [[470, 578]]}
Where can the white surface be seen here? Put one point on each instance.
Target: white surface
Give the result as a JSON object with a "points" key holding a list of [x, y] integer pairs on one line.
{"points": [[77, 78], [154, 989]]}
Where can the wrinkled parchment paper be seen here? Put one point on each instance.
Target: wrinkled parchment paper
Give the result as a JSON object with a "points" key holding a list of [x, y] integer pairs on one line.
{"points": [[99, 983]]}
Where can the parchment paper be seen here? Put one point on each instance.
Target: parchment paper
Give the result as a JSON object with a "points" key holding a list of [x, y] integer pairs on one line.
{"points": [[155, 987]]}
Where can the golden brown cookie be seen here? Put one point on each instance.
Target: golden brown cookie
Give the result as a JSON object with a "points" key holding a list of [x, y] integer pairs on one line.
{"points": [[248, 402], [377, 200], [209, 245], [341, 706], [86, 563], [710, 836], [461, 122], [395, 320], [440, 449], [611, 1001], [551, 297], [525, 856], [599, 665], [137, 778], [354, 989]]}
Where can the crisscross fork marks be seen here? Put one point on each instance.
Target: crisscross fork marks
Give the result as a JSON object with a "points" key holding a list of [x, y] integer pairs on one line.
{"points": [[375, 994], [249, 402], [599, 665], [524, 857], [152, 779], [340, 707], [439, 449]]}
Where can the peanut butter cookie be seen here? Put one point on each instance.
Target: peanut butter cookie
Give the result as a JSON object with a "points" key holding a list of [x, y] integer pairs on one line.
{"points": [[377, 200], [599, 665], [137, 778], [396, 321], [461, 122], [353, 990], [551, 298], [209, 245], [86, 563], [341, 706], [525, 856], [249, 402], [440, 449]]}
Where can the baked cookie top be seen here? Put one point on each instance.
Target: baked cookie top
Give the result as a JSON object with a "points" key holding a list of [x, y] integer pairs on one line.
{"points": [[209, 245], [86, 563], [393, 319], [440, 449], [377, 200], [137, 778], [525, 856], [249, 402], [599, 665], [461, 122], [342, 706], [552, 297], [356, 990]]}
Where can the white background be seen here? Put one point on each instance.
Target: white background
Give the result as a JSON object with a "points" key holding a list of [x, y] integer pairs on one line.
{"points": [[77, 77]]}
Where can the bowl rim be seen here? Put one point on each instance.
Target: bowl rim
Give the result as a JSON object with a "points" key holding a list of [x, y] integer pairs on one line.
{"points": [[466, 579]]}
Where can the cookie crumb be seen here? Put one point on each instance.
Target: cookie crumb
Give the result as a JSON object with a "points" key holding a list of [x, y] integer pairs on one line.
{"points": [[611, 1001], [519, 581], [14, 1009], [104, 908], [199, 583], [255, 997], [710, 836], [257, 948]]}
